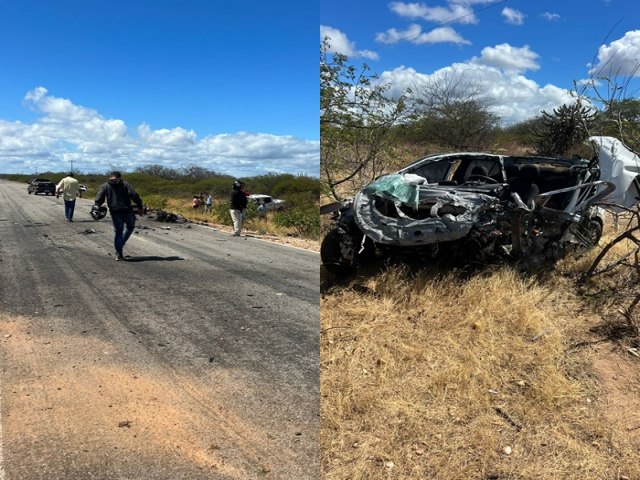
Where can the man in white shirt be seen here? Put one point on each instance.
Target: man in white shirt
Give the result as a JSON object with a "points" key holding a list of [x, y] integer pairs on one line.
{"points": [[69, 187]]}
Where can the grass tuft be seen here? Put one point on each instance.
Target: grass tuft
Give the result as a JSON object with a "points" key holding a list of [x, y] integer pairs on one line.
{"points": [[437, 376]]}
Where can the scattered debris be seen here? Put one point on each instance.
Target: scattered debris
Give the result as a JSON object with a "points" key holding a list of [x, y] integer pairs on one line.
{"points": [[508, 418], [507, 450], [162, 216], [88, 231], [125, 423]]}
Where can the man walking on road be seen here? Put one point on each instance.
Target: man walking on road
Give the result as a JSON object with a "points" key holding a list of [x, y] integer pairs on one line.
{"points": [[238, 205], [119, 195], [70, 188]]}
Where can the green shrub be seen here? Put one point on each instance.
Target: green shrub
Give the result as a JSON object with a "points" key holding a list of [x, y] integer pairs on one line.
{"points": [[220, 211], [304, 220], [155, 201]]}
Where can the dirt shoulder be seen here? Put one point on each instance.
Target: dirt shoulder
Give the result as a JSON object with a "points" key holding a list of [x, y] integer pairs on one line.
{"points": [[304, 243]]}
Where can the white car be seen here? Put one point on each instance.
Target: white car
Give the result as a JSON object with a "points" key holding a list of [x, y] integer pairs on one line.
{"points": [[476, 205], [269, 202]]}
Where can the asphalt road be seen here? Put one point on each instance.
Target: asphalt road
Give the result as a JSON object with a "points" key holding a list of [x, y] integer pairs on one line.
{"points": [[198, 358]]}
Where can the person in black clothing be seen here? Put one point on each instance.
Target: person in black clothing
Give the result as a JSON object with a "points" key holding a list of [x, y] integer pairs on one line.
{"points": [[119, 195], [238, 204]]}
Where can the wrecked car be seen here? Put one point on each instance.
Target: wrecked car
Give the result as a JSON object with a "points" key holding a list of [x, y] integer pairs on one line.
{"points": [[473, 206], [268, 201]]}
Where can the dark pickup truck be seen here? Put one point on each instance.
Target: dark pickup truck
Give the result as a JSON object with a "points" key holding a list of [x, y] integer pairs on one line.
{"points": [[41, 185]]}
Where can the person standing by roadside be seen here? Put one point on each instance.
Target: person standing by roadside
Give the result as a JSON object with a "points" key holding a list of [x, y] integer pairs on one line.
{"points": [[70, 189], [262, 210], [119, 195], [238, 205], [208, 203]]}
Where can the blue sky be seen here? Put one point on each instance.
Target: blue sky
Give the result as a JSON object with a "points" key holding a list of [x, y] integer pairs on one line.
{"points": [[230, 86], [524, 54]]}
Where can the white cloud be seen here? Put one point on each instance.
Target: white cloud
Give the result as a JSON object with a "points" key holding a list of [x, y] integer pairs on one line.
{"points": [[414, 34], [506, 57], [512, 16], [589, 82], [512, 96], [620, 57], [175, 137], [340, 43], [65, 131], [552, 17], [455, 12]]}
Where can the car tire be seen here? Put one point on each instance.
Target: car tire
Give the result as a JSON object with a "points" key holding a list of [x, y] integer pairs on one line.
{"points": [[592, 231], [331, 254]]}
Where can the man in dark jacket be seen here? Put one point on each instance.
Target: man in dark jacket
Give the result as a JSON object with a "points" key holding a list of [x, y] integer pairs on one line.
{"points": [[238, 205], [119, 195]]}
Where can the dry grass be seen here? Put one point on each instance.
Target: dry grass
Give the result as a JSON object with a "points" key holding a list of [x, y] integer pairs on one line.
{"points": [[256, 227], [425, 376]]}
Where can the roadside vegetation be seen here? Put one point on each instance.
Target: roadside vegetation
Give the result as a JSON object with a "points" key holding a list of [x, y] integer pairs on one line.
{"points": [[171, 190], [485, 373]]}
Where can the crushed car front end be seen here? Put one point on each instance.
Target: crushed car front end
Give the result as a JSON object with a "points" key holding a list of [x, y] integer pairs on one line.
{"points": [[393, 212]]}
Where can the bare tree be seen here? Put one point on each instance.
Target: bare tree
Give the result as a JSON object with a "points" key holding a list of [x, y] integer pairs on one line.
{"points": [[357, 116], [451, 110]]}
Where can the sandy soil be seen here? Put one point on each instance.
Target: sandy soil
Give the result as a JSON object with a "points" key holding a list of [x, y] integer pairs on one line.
{"points": [[618, 372], [304, 243]]}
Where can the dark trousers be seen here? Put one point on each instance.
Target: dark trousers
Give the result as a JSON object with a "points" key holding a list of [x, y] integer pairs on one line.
{"points": [[123, 224], [69, 207]]}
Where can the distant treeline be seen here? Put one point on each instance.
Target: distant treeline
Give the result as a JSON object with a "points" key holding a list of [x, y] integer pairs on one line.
{"points": [[193, 180]]}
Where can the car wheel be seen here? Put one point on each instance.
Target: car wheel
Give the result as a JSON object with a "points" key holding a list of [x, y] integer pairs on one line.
{"points": [[523, 233], [592, 232], [29, 192], [331, 253]]}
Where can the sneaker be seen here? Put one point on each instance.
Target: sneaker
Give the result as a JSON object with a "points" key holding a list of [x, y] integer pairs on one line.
{"points": [[235, 235], [119, 258]]}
